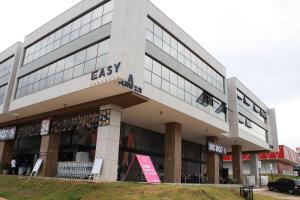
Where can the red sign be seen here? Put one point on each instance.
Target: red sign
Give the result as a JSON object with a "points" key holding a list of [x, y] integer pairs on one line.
{"points": [[144, 163], [284, 153]]}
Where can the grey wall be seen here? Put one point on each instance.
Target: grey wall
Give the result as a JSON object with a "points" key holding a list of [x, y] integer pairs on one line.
{"points": [[15, 51]]}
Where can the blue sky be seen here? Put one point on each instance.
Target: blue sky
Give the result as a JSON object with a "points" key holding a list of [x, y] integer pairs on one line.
{"points": [[257, 41]]}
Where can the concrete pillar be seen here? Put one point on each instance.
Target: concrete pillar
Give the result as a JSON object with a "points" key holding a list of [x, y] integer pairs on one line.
{"points": [[173, 146], [237, 164], [6, 153], [107, 146], [49, 153], [254, 170], [212, 163]]}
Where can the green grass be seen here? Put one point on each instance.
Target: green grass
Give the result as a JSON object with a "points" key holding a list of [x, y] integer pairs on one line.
{"points": [[16, 188]]}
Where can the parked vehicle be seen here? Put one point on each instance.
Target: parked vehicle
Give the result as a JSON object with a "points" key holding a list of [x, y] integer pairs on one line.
{"points": [[285, 185], [297, 186]]}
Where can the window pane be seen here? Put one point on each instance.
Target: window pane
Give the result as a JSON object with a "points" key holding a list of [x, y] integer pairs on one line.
{"points": [[147, 76], [78, 71], [68, 74], [80, 57], [156, 81], [156, 68], [58, 78], [90, 66], [92, 52]]}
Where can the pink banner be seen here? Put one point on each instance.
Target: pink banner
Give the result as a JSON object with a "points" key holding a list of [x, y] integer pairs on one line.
{"points": [[148, 169]]}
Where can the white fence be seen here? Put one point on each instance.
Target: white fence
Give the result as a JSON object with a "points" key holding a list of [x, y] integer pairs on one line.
{"points": [[74, 170]]}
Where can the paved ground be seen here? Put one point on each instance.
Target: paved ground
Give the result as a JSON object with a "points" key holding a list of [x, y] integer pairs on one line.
{"points": [[277, 194]]}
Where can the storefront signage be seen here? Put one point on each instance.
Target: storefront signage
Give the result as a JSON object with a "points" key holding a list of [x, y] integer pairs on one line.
{"points": [[45, 127], [8, 133], [216, 148], [144, 164], [130, 84], [105, 71], [104, 117]]}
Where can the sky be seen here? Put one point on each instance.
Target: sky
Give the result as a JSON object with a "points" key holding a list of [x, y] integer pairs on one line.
{"points": [[257, 41]]}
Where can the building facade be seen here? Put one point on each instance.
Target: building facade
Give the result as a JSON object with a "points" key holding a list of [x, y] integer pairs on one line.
{"points": [[115, 78], [250, 120], [280, 162]]}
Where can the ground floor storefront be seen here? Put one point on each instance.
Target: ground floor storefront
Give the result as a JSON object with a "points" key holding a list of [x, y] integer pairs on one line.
{"points": [[68, 142]]}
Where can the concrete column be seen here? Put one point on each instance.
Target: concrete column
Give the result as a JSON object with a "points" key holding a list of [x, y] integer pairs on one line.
{"points": [[237, 164], [6, 153], [173, 146], [107, 146], [254, 171], [49, 153], [212, 163]]}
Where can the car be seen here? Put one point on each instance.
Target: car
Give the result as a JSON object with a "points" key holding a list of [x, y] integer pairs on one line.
{"points": [[285, 185], [297, 186]]}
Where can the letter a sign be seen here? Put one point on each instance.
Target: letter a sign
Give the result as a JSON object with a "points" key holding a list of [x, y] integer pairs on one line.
{"points": [[142, 163]]}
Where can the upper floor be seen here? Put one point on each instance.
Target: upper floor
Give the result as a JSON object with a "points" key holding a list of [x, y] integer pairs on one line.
{"points": [[250, 118]]}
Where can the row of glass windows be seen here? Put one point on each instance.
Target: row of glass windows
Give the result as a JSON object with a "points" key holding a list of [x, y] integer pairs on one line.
{"points": [[161, 77], [81, 26], [2, 93], [162, 39], [73, 66], [249, 105], [5, 67], [250, 127]]}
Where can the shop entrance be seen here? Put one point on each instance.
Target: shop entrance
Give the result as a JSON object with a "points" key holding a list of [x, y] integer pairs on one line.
{"points": [[136, 140], [26, 152]]}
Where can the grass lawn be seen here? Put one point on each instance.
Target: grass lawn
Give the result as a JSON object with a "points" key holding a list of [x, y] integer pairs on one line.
{"points": [[16, 188]]}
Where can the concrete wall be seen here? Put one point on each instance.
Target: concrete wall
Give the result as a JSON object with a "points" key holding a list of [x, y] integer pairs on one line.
{"points": [[15, 52], [270, 124]]}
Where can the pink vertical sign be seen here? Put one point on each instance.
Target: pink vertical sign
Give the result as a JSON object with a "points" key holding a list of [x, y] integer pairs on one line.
{"points": [[148, 169]]}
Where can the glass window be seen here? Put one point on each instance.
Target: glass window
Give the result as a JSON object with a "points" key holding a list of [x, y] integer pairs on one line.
{"points": [[108, 7], [156, 68], [91, 52], [163, 40], [86, 18], [81, 26], [102, 61], [96, 24], [68, 74], [80, 57], [74, 35], [147, 76], [107, 18], [58, 78], [76, 24], [90, 66], [165, 74], [165, 85], [85, 29], [156, 80], [161, 77], [61, 71], [148, 63], [78, 71], [97, 13]]}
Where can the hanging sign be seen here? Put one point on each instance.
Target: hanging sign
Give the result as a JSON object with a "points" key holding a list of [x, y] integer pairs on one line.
{"points": [[45, 127], [216, 148], [144, 164], [8, 133]]}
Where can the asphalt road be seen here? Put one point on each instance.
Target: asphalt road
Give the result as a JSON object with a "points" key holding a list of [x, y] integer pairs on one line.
{"points": [[277, 194]]}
